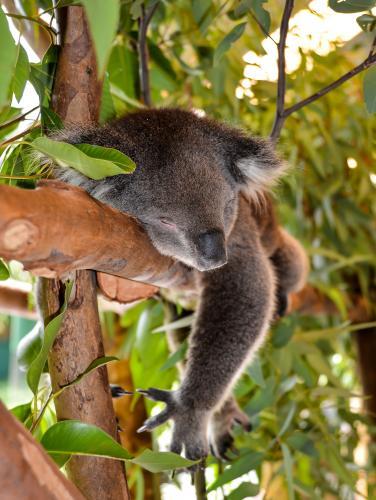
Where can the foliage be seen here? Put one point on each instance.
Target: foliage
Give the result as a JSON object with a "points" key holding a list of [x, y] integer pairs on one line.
{"points": [[301, 391]]}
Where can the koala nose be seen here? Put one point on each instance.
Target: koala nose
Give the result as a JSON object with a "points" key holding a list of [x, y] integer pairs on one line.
{"points": [[212, 249]]}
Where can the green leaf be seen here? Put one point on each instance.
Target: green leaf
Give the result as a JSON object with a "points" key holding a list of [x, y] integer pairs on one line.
{"points": [[72, 437], [282, 333], [158, 461], [21, 74], [8, 59], [287, 462], [175, 325], [50, 332], [95, 162], [255, 372], [261, 14], [29, 347], [243, 465], [175, 357], [109, 154], [22, 412], [50, 120], [288, 419], [245, 490], [351, 6], [367, 22], [104, 360], [227, 41], [369, 89], [301, 442], [103, 20], [4, 271]]}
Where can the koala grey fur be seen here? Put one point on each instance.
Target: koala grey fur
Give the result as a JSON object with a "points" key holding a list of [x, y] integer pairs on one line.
{"points": [[195, 191]]}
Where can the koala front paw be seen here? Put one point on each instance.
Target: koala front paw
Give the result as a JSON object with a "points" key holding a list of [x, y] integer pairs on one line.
{"points": [[190, 424]]}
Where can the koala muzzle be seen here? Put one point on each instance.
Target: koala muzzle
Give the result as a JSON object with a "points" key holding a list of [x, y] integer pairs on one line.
{"points": [[211, 246]]}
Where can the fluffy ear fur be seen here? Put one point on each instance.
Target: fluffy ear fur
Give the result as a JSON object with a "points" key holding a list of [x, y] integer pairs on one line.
{"points": [[251, 160], [258, 163]]}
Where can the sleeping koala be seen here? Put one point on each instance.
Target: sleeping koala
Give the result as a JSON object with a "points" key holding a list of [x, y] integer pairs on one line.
{"points": [[199, 193]]}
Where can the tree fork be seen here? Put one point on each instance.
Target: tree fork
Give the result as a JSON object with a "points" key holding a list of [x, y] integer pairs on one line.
{"points": [[76, 98]]}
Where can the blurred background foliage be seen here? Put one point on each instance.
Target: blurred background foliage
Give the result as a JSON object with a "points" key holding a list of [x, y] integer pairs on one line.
{"points": [[313, 432]]}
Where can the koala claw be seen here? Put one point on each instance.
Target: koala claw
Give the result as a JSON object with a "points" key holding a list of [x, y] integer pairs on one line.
{"points": [[189, 424]]}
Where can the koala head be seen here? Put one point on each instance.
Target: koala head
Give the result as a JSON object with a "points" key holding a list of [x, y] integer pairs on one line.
{"points": [[185, 188]]}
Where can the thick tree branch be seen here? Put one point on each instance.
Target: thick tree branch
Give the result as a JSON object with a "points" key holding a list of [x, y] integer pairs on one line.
{"points": [[143, 53], [281, 90], [76, 98], [26, 470], [58, 228]]}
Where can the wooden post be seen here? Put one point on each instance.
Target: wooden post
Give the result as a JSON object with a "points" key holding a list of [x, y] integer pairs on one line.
{"points": [[76, 98]]}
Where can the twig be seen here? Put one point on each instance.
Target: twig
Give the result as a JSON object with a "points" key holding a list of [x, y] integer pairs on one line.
{"points": [[200, 482], [282, 113], [278, 121], [259, 24], [21, 134], [370, 61], [144, 22], [17, 118]]}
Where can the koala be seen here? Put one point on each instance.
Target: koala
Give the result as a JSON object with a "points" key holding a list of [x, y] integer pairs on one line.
{"points": [[200, 193]]}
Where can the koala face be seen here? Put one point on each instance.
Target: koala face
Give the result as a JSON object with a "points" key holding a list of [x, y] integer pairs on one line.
{"points": [[185, 188], [187, 205]]}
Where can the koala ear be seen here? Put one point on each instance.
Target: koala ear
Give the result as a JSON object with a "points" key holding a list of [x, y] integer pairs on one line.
{"points": [[257, 162]]}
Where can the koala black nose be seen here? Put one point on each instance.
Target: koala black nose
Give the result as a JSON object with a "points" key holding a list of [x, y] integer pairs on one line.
{"points": [[212, 249]]}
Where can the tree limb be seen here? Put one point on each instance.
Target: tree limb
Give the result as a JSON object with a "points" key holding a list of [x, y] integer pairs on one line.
{"points": [[369, 61], [281, 89], [26, 470], [96, 236]]}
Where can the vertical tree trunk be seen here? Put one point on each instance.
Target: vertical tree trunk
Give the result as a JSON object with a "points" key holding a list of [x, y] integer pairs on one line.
{"points": [[76, 98]]}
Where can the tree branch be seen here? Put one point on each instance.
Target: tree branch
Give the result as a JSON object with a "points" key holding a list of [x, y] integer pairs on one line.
{"points": [[26, 470], [281, 90], [96, 236], [143, 52], [17, 118], [369, 61]]}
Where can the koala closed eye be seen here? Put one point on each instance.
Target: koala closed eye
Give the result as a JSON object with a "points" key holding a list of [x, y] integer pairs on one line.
{"points": [[167, 222]]}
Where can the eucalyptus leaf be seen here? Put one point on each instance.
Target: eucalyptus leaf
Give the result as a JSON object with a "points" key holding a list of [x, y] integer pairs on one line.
{"points": [[225, 44], [103, 20], [158, 461], [369, 89], [288, 465], [243, 465], [102, 361], [96, 162], [4, 271], [8, 58], [51, 330], [351, 6]]}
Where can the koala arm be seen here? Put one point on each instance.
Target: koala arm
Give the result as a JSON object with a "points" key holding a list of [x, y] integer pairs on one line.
{"points": [[236, 307]]}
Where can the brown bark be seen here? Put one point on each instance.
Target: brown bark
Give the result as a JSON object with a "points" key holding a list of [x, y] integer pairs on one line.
{"points": [[15, 303], [26, 471], [76, 98], [58, 228]]}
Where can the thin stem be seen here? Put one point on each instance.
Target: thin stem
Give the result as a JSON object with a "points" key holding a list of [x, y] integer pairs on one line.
{"points": [[21, 134], [200, 482], [259, 24], [281, 89], [17, 118], [370, 61], [144, 22]]}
